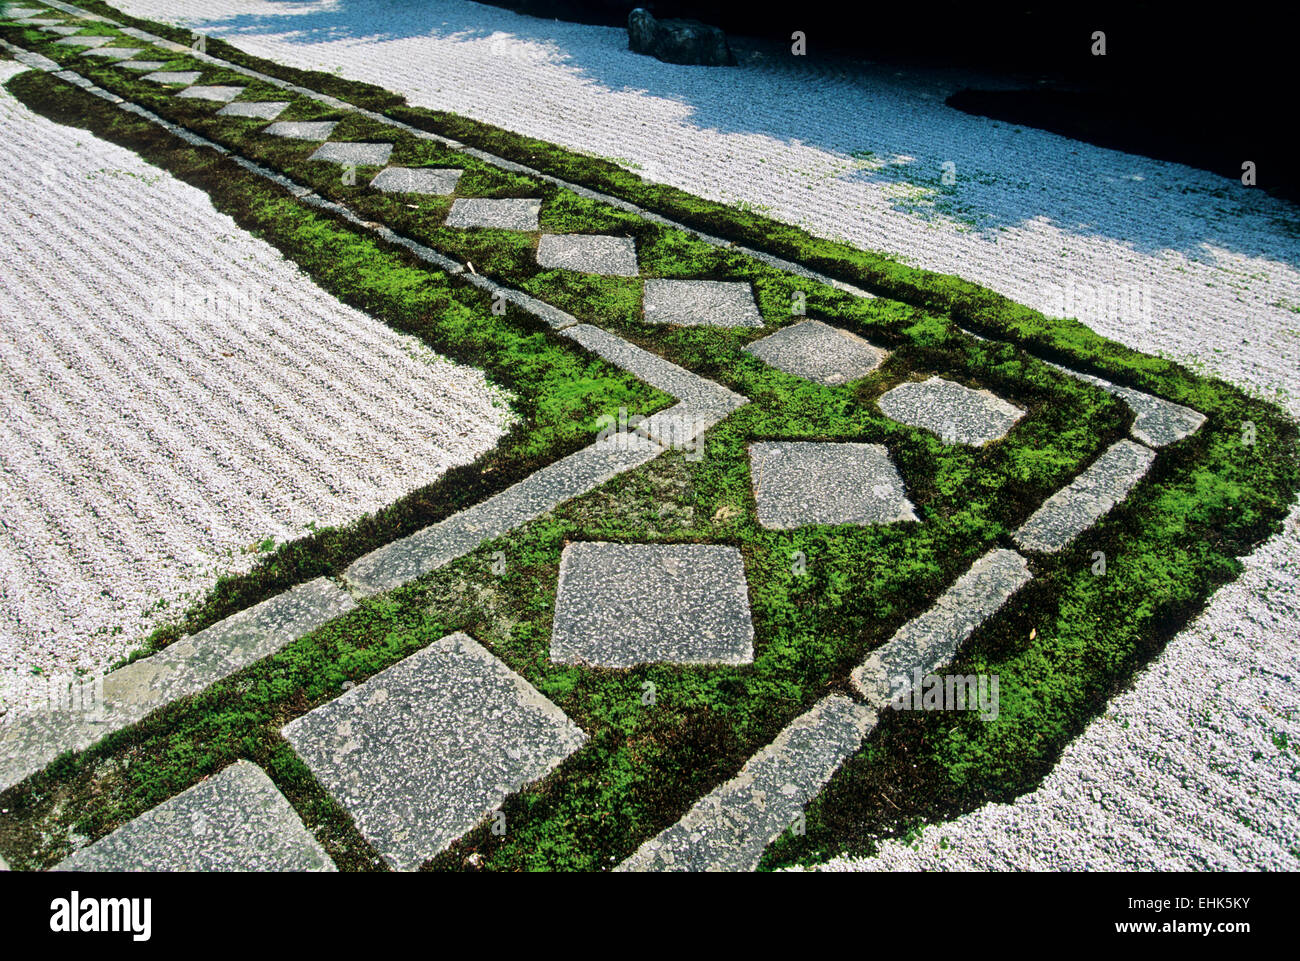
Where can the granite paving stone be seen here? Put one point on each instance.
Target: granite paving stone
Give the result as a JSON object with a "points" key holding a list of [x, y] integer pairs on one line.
{"points": [[818, 352], [302, 129], [589, 254], [149, 66], [508, 214], [797, 483], [417, 180], [186, 77], [353, 152], [219, 94], [620, 605], [257, 109], [1156, 422], [699, 303], [85, 41], [424, 750], [236, 820], [113, 53], [958, 414]]}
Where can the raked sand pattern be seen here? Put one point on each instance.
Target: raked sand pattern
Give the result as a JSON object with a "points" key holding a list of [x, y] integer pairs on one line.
{"points": [[176, 393]]}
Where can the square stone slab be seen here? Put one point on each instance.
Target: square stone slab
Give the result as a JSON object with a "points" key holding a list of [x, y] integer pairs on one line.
{"points": [[699, 303], [511, 214], [589, 253], [424, 750], [219, 94], [186, 77], [360, 154], [85, 41], [233, 821], [620, 605], [53, 26], [957, 414], [818, 352], [259, 109], [146, 65], [417, 180], [113, 53], [302, 129], [797, 483]]}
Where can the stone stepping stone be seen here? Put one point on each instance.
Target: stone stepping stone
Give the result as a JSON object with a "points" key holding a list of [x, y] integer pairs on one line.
{"points": [[113, 53], [259, 109], [818, 352], [1090, 496], [699, 303], [186, 77], [43, 22], [509, 214], [85, 41], [63, 30], [730, 827], [149, 65], [219, 94], [620, 605], [798, 483], [302, 129], [417, 180], [1156, 422], [17, 13], [957, 414], [426, 749], [359, 154], [31, 741], [589, 254], [931, 640], [236, 820]]}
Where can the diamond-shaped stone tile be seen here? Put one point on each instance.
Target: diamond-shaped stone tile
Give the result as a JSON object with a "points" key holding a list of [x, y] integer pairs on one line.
{"points": [[959, 415], [62, 29], [698, 303], [424, 750], [113, 53], [417, 180], [186, 77], [257, 109], [818, 352], [620, 605], [219, 94], [509, 214], [588, 253], [302, 129], [85, 41], [350, 152], [143, 65], [797, 483]]}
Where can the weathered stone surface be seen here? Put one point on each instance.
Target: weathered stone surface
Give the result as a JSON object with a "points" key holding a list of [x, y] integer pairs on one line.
{"points": [[219, 94], [256, 109], [797, 483], [424, 750], [315, 130], [361, 154], [620, 605], [1156, 421], [233, 821], [957, 414], [148, 66], [1092, 494], [696, 303], [678, 41], [85, 41], [31, 741], [929, 641], [417, 180], [509, 214], [438, 544], [818, 352], [186, 77], [589, 253], [63, 30], [113, 53], [730, 827]]}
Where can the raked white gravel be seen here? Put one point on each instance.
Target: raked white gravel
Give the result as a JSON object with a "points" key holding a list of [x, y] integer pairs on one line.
{"points": [[1161, 257], [175, 393]]}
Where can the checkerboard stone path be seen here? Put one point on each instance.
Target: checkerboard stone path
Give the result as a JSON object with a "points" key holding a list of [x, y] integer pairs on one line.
{"points": [[302, 129], [958, 414], [589, 253], [1090, 496], [620, 605], [507, 214], [255, 109], [360, 154], [798, 483], [700, 303], [426, 749], [417, 180], [233, 821], [818, 352]]}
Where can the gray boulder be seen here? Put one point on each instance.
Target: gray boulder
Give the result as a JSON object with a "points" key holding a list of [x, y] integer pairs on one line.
{"points": [[678, 41]]}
